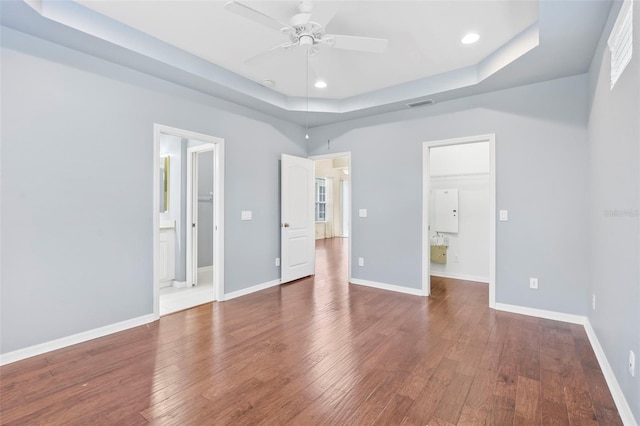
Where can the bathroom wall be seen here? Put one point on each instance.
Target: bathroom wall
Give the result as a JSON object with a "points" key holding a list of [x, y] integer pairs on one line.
{"points": [[174, 147], [466, 168]]}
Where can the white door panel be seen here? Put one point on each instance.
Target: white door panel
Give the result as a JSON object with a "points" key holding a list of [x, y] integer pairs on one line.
{"points": [[297, 221]]}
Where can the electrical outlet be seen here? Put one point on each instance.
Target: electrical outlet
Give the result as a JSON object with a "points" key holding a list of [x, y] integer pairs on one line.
{"points": [[632, 363], [277, 261], [456, 259], [533, 283], [361, 261], [593, 301]]}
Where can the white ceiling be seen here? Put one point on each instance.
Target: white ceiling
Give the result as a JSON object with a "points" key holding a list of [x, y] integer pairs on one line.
{"points": [[424, 38], [199, 45]]}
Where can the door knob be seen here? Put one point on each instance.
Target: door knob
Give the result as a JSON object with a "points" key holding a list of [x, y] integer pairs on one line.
{"points": [[285, 225]]}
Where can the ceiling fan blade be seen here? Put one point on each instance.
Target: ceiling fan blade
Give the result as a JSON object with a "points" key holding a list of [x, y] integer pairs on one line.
{"points": [[361, 44], [324, 11], [260, 57], [254, 15]]}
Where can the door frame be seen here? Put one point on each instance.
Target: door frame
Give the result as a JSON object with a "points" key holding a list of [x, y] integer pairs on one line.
{"points": [[192, 210], [218, 208], [426, 189], [342, 155]]}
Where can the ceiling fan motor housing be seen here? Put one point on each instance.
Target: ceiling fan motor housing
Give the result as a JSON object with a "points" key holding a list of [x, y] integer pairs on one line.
{"points": [[299, 20], [306, 41]]}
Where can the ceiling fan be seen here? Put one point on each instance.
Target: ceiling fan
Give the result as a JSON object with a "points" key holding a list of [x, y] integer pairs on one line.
{"points": [[306, 33]]}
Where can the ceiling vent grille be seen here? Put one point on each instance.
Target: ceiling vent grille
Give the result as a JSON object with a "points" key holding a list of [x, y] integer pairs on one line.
{"points": [[420, 103]]}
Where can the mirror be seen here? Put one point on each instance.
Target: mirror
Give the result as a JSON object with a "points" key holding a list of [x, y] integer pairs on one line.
{"points": [[164, 184]]}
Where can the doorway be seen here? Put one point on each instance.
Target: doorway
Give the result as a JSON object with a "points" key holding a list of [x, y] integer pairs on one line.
{"points": [[188, 222], [333, 206], [459, 211]]}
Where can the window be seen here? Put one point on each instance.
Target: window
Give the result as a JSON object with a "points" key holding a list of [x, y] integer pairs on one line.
{"points": [[620, 41], [321, 199]]}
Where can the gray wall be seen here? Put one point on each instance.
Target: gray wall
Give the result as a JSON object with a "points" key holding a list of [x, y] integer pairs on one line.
{"points": [[541, 150], [76, 185], [77, 147], [205, 209], [614, 135]]}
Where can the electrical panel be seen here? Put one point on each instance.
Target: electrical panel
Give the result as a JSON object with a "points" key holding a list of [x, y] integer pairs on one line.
{"points": [[446, 219]]}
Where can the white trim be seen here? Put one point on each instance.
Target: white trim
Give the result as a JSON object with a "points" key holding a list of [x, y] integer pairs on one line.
{"points": [[388, 287], [426, 187], [218, 208], [155, 273], [180, 284], [492, 221], [253, 289], [218, 224], [341, 155], [205, 274], [192, 189], [74, 339], [626, 415], [464, 277], [541, 313]]}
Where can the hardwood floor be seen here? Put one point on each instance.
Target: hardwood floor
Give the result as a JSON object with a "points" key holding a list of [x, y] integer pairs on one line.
{"points": [[321, 351]]}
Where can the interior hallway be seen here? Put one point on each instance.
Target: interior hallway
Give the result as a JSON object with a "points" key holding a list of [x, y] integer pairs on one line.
{"points": [[320, 350]]}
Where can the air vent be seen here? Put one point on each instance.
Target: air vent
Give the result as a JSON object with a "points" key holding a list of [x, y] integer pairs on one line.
{"points": [[621, 41], [420, 103]]}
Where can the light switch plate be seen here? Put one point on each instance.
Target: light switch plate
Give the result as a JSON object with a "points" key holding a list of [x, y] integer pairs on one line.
{"points": [[247, 215], [504, 215], [362, 212]]}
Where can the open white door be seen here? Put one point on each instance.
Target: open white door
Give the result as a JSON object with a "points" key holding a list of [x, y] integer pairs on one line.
{"points": [[192, 217], [298, 249]]}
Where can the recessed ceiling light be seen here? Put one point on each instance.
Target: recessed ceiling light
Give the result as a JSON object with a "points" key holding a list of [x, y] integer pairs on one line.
{"points": [[269, 83], [321, 84], [470, 38]]}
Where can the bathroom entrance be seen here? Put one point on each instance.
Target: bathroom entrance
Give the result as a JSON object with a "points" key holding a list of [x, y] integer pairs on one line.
{"points": [[188, 249]]}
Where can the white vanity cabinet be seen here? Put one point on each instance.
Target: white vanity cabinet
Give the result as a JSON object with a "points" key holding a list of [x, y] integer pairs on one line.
{"points": [[167, 252]]}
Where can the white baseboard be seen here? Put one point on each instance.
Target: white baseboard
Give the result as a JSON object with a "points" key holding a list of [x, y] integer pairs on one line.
{"points": [[389, 287], [249, 290], [74, 339], [179, 284], [464, 277], [541, 313], [614, 387], [618, 397], [205, 274]]}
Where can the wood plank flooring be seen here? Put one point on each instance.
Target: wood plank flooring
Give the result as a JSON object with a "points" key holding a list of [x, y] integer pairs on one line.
{"points": [[322, 351]]}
